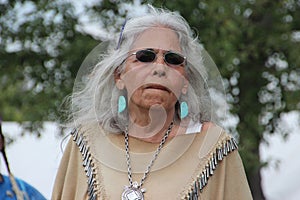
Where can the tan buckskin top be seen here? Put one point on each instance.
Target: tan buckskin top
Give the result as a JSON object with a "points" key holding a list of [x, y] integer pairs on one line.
{"points": [[205, 164]]}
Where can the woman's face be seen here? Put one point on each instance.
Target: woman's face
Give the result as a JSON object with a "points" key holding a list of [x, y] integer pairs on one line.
{"points": [[154, 83]]}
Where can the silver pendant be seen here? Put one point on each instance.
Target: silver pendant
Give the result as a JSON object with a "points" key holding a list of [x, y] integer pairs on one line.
{"points": [[133, 192]]}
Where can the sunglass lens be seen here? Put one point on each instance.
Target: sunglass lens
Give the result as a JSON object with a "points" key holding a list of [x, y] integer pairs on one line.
{"points": [[174, 58], [145, 55]]}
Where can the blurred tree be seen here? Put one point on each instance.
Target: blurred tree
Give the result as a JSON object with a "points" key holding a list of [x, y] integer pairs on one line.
{"points": [[41, 49], [255, 44]]}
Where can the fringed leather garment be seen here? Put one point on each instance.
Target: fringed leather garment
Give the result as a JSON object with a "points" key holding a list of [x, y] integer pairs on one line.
{"points": [[204, 165]]}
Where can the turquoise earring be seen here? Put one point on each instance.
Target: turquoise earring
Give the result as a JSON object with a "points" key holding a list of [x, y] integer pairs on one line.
{"points": [[184, 110], [121, 104]]}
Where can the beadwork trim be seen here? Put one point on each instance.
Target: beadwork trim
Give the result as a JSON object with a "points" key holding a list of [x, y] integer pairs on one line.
{"points": [[216, 157], [88, 164]]}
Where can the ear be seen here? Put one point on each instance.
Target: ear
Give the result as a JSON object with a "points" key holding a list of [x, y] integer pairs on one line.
{"points": [[119, 82], [185, 87]]}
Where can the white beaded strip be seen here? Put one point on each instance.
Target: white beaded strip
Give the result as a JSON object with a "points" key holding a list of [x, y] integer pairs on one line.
{"points": [[87, 163]]}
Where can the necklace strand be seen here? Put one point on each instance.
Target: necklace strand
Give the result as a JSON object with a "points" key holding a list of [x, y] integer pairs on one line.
{"points": [[163, 140]]}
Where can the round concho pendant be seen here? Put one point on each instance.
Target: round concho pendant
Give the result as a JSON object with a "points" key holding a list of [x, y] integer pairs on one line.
{"points": [[132, 193]]}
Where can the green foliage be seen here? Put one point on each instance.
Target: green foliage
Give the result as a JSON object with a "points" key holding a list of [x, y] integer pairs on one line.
{"points": [[41, 52]]}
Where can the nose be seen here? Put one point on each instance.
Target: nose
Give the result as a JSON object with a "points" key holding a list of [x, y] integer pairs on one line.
{"points": [[159, 65], [159, 70], [159, 73]]}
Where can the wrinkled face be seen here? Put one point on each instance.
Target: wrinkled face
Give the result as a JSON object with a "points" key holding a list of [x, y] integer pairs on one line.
{"points": [[154, 82]]}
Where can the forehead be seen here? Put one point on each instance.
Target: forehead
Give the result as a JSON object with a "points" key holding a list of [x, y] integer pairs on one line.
{"points": [[158, 38]]}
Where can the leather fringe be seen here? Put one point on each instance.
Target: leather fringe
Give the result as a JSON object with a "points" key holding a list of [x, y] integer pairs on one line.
{"points": [[217, 156], [87, 163]]}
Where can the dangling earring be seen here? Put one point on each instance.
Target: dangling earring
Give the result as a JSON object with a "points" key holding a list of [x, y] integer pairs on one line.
{"points": [[121, 104], [184, 110]]}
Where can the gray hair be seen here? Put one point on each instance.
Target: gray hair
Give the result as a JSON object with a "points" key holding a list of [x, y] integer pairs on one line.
{"points": [[97, 100]]}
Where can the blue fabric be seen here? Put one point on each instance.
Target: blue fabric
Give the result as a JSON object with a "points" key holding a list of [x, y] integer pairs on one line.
{"points": [[29, 192]]}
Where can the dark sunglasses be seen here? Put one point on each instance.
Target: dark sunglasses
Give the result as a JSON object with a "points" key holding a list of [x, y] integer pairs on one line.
{"points": [[149, 55]]}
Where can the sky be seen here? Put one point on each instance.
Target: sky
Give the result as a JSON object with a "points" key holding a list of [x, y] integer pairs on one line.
{"points": [[36, 160]]}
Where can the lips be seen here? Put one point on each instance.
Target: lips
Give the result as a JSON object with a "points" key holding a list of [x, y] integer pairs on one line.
{"points": [[157, 87]]}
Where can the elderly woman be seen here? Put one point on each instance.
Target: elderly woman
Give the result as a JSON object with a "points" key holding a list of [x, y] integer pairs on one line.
{"points": [[144, 122]]}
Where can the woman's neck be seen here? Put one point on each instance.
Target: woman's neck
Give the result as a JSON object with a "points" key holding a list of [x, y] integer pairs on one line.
{"points": [[150, 125]]}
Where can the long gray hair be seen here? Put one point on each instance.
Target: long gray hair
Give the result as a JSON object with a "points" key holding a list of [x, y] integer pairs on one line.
{"points": [[96, 101]]}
